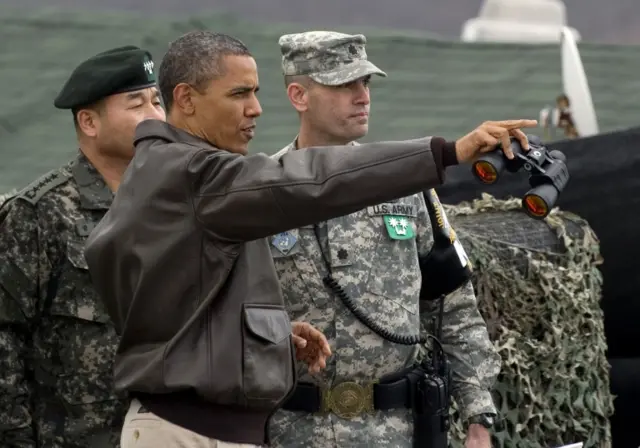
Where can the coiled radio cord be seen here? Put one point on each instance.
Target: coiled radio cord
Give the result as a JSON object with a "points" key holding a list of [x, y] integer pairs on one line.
{"points": [[377, 328], [330, 282]]}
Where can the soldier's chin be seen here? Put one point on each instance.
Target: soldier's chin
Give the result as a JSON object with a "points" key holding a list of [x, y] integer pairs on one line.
{"points": [[240, 148], [359, 130], [119, 152]]}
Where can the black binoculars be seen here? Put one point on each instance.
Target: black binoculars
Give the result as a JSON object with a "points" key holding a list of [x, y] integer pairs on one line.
{"points": [[548, 173]]}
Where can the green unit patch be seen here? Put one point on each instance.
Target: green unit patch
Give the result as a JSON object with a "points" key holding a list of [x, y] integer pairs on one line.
{"points": [[398, 227]]}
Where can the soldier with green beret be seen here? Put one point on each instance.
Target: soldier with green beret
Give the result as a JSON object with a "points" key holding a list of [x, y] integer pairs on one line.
{"points": [[121, 70], [57, 342]]}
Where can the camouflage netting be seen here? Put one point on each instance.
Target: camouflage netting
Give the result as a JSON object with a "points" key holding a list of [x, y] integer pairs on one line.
{"points": [[539, 289]]}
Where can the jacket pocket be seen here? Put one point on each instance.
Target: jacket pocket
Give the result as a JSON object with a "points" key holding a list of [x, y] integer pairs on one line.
{"points": [[267, 354], [395, 272], [75, 253]]}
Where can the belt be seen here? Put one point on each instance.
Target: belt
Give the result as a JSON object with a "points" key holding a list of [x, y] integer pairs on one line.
{"points": [[349, 399]]}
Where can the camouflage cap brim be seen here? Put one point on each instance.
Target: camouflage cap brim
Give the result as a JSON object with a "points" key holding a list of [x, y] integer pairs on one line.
{"points": [[347, 73]]}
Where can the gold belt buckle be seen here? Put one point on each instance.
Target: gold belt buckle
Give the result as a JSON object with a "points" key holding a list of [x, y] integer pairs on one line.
{"points": [[348, 400]]}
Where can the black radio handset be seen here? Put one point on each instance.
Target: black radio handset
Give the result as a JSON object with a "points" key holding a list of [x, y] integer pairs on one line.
{"points": [[445, 268]]}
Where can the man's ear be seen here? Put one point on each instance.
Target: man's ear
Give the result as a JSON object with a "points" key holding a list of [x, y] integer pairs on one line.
{"points": [[298, 96], [183, 98], [88, 122]]}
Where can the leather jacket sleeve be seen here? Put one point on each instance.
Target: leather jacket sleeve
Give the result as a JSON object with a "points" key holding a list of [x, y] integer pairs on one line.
{"points": [[242, 198]]}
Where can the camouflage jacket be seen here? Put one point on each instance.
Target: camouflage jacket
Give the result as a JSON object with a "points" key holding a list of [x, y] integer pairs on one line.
{"points": [[382, 275], [56, 342]]}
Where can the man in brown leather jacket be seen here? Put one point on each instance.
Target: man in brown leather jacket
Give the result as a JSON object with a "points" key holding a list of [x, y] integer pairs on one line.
{"points": [[182, 262]]}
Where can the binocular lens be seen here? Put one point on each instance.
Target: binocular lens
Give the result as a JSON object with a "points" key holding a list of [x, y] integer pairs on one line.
{"points": [[485, 171], [539, 201], [536, 206]]}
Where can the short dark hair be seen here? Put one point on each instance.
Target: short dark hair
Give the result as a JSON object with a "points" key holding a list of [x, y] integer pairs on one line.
{"points": [[195, 58], [98, 106], [300, 79]]}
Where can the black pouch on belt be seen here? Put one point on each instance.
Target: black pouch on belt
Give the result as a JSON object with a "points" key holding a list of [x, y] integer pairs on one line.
{"points": [[430, 410]]}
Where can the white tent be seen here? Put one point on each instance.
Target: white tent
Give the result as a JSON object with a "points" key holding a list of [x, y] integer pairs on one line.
{"points": [[539, 22], [521, 21]]}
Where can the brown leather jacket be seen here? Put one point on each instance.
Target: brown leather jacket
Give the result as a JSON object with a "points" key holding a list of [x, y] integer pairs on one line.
{"points": [[183, 266]]}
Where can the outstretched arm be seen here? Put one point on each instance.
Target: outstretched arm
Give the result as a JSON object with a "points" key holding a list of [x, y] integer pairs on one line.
{"points": [[242, 198]]}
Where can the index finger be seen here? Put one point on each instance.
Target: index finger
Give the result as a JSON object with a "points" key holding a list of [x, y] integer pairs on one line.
{"points": [[305, 330], [516, 124]]}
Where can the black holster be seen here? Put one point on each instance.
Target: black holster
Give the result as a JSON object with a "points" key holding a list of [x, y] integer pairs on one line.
{"points": [[431, 419]]}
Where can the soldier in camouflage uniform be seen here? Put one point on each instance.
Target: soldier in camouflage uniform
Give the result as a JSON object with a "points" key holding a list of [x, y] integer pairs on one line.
{"points": [[376, 262], [56, 339]]}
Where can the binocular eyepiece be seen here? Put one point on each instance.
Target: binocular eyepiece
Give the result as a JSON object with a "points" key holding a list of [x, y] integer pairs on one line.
{"points": [[548, 173]]}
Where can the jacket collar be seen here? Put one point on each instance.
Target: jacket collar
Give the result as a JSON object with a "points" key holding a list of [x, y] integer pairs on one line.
{"points": [[294, 145], [290, 147], [158, 129], [93, 190]]}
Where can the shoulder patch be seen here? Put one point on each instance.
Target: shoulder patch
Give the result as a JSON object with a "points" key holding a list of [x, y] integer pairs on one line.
{"points": [[33, 192]]}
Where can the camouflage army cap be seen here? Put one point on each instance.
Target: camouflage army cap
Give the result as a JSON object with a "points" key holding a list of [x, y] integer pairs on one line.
{"points": [[327, 57], [122, 69]]}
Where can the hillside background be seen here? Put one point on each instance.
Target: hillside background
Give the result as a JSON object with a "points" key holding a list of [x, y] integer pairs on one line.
{"points": [[611, 21]]}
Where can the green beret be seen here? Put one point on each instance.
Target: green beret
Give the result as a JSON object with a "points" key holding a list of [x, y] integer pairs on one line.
{"points": [[119, 70]]}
